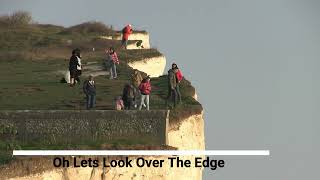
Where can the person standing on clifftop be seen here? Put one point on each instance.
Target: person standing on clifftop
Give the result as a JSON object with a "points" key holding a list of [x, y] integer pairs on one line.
{"points": [[145, 89], [179, 78], [73, 64], [136, 79], [89, 88], [126, 31], [172, 84], [113, 61], [79, 66], [128, 96]]}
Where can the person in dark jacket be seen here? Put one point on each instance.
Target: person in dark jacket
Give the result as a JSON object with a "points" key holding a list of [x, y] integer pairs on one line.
{"points": [[128, 96], [73, 63], [179, 78], [172, 84], [89, 88]]}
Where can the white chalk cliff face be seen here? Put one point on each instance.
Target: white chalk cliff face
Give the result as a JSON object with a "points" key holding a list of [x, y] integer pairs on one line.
{"points": [[154, 66], [188, 135]]}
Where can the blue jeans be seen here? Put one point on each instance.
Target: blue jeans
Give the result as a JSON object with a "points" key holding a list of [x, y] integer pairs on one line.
{"points": [[124, 43], [178, 93], [113, 71], [91, 101]]}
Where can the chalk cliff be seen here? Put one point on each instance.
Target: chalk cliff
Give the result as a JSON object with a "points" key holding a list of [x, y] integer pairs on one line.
{"points": [[187, 135], [152, 66]]}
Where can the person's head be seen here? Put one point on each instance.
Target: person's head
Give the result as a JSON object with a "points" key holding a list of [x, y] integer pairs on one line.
{"points": [[174, 66], [129, 25], [91, 77], [74, 52], [111, 50], [148, 79]]}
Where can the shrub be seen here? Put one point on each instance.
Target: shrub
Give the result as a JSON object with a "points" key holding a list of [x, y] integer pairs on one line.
{"points": [[90, 27], [18, 18]]}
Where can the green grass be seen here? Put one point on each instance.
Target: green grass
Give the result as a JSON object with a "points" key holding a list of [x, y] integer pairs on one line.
{"points": [[30, 57]]}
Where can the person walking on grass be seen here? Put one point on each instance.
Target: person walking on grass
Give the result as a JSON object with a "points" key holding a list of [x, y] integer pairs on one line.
{"points": [[179, 78], [145, 89], [73, 63], [89, 89], [126, 31], [113, 61]]}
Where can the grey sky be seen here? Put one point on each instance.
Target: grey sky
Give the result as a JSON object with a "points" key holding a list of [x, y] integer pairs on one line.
{"points": [[254, 64]]}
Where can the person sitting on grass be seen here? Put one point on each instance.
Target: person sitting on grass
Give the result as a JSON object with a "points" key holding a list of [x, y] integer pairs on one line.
{"points": [[119, 103], [89, 89], [145, 89], [113, 61]]}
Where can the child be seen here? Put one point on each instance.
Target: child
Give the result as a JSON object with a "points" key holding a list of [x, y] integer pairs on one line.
{"points": [[119, 103]]}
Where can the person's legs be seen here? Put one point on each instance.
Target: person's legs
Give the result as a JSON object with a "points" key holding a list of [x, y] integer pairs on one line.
{"points": [[130, 103], [93, 101], [142, 101], [174, 96], [147, 101], [178, 93], [124, 43], [79, 72], [114, 68], [88, 101], [72, 74]]}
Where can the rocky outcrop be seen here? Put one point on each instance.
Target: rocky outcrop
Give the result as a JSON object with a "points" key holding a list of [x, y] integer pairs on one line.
{"points": [[135, 36]]}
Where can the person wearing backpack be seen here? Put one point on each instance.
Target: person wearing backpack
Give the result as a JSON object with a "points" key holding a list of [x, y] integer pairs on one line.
{"points": [[126, 31], [179, 78], [145, 89]]}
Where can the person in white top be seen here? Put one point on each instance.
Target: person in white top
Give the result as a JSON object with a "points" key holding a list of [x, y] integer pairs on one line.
{"points": [[79, 66]]}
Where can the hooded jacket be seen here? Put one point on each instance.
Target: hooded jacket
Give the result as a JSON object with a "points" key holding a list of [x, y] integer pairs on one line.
{"points": [[126, 32], [172, 80]]}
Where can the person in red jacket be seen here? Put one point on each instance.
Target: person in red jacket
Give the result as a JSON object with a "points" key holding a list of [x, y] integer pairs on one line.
{"points": [[179, 78], [145, 89], [126, 31]]}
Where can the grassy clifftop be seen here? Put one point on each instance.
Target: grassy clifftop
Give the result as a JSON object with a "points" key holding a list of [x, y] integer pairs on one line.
{"points": [[32, 57]]}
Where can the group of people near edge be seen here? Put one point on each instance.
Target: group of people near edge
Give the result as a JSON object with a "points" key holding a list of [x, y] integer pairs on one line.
{"points": [[136, 94]]}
